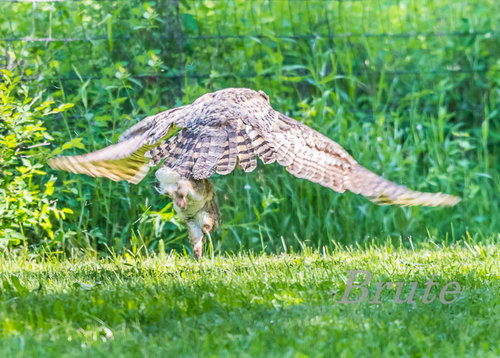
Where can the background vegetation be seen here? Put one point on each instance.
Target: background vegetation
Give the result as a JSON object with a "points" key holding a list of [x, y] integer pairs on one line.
{"points": [[410, 88]]}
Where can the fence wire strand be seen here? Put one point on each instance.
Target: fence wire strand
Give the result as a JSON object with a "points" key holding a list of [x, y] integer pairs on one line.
{"points": [[219, 36], [261, 37]]}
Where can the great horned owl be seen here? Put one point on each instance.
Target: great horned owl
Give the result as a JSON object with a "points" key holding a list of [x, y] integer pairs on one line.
{"points": [[227, 129]]}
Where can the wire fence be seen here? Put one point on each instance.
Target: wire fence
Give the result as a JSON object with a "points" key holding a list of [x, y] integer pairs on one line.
{"points": [[259, 36], [183, 37]]}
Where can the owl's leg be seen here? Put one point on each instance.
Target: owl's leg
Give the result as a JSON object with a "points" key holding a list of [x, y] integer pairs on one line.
{"points": [[210, 216], [196, 237], [206, 219]]}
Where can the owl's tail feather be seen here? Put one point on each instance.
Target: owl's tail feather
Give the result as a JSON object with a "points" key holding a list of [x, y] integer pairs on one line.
{"points": [[384, 192]]}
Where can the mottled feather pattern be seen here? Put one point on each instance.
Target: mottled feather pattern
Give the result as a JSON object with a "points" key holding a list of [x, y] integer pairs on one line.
{"points": [[187, 155], [227, 163], [209, 154], [246, 155], [385, 192], [232, 128], [126, 160]]}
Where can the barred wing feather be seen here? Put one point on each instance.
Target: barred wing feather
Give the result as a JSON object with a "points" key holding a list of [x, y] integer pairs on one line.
{"points": [[125, 160]]}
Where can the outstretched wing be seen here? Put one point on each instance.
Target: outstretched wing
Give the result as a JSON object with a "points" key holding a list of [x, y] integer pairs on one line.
{"points": [[204, 149], [127, 159], [310, 155]]}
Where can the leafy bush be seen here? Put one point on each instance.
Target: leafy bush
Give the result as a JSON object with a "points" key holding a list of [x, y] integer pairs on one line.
{"points": [[26, 207]]}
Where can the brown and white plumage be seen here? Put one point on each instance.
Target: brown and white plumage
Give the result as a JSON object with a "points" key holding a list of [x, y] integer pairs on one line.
{"points": [[233, 127], [224, 130]]}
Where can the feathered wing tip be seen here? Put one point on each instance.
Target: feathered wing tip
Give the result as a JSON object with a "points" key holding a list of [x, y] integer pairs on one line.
{"points": [[116, 162], [110, 169], [126, 160], [385, 192]]}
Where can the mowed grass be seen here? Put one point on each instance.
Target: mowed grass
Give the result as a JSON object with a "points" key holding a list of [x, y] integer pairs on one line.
{"points": [[250, 305]]}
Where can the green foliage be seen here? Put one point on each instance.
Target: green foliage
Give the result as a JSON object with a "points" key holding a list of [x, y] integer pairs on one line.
{"points": [[27, 207], [250, 305], [411, 90]]}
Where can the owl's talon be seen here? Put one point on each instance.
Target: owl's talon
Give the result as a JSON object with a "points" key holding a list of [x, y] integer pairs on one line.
{"points": [[181, 202]]}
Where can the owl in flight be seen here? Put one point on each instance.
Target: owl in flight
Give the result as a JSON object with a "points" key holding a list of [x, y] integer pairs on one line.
{"points": [[227, 129]]}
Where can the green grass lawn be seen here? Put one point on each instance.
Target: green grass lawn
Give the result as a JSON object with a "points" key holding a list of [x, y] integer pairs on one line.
{"points": [[250, 305]]}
